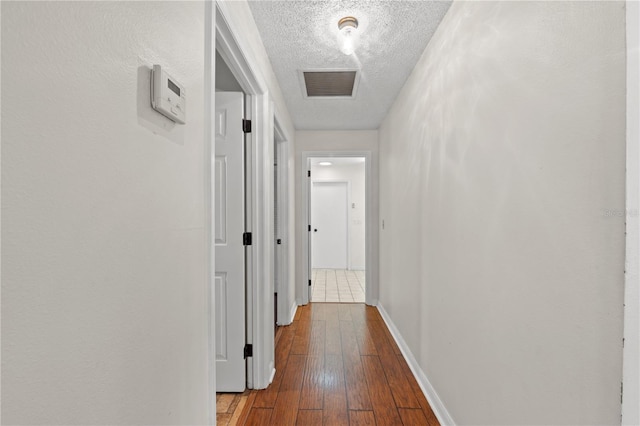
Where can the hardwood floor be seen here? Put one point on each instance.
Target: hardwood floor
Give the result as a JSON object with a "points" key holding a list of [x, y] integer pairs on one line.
{"points": [[230, 406], [337, 364]]}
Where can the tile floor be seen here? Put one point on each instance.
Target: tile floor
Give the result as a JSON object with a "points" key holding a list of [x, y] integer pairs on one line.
{"points": [[337, 285]]}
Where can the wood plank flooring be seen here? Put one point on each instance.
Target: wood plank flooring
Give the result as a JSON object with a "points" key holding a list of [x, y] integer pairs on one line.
{"points": [[337, 364]]}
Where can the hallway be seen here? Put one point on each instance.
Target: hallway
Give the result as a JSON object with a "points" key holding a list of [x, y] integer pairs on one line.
{"points": [[337, 364], [501, 142]]}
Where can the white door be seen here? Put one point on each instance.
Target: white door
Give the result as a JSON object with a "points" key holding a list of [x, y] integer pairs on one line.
{"points": [[229, 227], [329, 225]]}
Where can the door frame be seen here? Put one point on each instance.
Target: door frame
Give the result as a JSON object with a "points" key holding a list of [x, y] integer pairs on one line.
{"points": [[348, 186], [371, 273], [631, 342], [232, 48], [286, 309], [209, 186]]}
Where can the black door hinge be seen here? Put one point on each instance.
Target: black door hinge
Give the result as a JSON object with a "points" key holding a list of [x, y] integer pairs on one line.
{"points": [[246, 239], [309, 228], [309, 282], [308, 173], [248, 350], [246, 126]]}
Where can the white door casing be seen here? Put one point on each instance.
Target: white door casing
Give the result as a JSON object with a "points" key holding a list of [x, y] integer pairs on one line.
{"points": [[229, 213], [329, 225], [308, 265], [371, 222], [281, 204]]}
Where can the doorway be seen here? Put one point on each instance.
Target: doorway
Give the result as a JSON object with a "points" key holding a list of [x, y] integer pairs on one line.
{"points": [[227, 34], [337, 242]]}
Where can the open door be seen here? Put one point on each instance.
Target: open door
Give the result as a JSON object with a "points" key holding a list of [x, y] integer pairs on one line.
{"points": [[229, 247]]}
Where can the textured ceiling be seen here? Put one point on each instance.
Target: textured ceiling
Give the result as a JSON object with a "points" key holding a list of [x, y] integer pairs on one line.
{"points": [[303, 35]]}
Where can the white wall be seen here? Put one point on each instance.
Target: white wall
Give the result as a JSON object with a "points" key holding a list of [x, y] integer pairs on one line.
{"points": [[631, 358], [355, 175], [327, 141], [502, 176], [104, 313]]}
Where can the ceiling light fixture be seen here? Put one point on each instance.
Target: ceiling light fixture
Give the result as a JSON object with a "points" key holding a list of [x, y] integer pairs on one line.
{"points": [[347, 27], [325, 163]]}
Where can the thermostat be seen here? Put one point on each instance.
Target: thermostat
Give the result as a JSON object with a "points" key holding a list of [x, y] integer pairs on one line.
{"points": [[168, 97]]}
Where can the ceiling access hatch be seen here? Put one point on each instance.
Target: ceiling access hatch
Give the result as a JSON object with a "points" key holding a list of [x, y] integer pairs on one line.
{"points": [[329, 84]]}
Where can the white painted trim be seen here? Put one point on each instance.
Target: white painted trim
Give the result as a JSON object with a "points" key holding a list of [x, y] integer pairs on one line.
{"points": [[273, 374], [429, 392], [292, 311], [209, 185], [250, 251], [284, 176], [372, 272], [348, 184], [631, 350], [234, 50]]}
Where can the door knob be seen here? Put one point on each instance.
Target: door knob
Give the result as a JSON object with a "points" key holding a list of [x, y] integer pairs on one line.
{"points": [[315, 230]]}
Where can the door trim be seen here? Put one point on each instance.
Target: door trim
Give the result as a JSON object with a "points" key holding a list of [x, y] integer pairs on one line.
{"points": [[209, 197], [631, 346], [372, 273], [231, 47], [286, 300]]}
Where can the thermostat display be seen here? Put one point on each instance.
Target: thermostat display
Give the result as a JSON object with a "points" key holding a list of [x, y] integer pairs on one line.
{"points": [[168, 97]]}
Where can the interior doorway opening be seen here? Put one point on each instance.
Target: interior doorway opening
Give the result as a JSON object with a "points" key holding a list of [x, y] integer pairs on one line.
{"points": [[337, 241]]}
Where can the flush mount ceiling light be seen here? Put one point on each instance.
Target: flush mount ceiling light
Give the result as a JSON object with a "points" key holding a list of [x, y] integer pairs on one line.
{"points": [[325, 163], [347, 34]]}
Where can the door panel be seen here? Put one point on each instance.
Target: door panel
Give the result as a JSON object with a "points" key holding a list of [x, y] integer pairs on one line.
{"points": [[229, 214], [329, 231]]}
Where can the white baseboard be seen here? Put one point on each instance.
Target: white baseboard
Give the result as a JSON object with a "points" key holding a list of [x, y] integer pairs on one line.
{"points": [[292, 312], [273, 374], [429, 392]]}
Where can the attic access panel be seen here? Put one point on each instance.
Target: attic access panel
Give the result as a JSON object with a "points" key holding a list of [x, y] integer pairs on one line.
{"points": [[329, 84]]}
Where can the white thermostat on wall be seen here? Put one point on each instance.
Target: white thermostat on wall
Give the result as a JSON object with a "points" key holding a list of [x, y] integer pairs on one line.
{"points": [[168, 97]]}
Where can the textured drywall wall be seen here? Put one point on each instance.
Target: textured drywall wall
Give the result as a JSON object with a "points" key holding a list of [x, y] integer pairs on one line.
{"points": [[355, 175], [104, 292], [332, 141], [502, 191]]}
